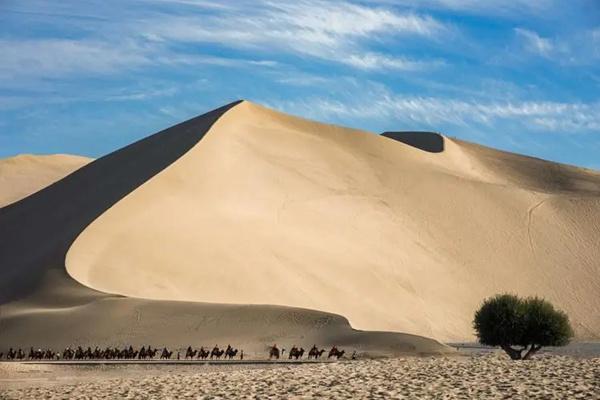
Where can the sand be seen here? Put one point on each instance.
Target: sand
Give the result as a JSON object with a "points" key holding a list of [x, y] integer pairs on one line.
{"points": [[272, 209], [490, 376], [42, 306], [22, 175]]}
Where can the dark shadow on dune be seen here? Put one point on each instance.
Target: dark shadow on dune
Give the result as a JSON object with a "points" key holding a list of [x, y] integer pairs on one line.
{"points": [[427, 141], [36, 232]]}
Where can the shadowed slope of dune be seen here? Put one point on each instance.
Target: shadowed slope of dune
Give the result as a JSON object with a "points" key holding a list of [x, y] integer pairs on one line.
{"points": [[22, 175], [426, 141], [39, 229], [274, 209], [41, 305]]}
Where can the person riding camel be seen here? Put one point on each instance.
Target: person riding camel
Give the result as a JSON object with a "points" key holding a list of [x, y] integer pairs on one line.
{"points": [[274, 352]]}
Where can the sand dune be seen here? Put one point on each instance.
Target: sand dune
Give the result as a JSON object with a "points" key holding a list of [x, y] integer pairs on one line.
{"points": [[273, 209], [41, 305], [250, 226], [25, 174]]}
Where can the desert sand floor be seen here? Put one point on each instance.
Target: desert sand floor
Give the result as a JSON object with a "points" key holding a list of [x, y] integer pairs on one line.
{"points": [[490, 376]]}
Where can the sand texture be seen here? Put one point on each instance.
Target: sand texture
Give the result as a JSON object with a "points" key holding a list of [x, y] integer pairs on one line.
{"points": [[249, 226], [491, 377], [25, 174]]}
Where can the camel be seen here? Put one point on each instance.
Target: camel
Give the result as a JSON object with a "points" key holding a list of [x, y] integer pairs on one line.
{"points": [[151, 353], [230, 353], [296, 353], [334, 352], [273, 352], [189, 353], [203, 354], [68, 354], [216, 353], [315, 352], [166, 354]]}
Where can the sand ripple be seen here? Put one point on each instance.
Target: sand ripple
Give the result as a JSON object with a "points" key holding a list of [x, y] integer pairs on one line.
{"points": [[490, 376]]}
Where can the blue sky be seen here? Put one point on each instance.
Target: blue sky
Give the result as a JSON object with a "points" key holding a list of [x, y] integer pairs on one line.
{"points": [[87, 77]]}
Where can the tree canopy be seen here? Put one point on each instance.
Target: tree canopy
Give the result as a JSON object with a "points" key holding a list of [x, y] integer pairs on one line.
{"points": [[517, 324]]}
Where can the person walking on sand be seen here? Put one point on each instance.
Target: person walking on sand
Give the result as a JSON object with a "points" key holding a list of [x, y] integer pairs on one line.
{"points": [[242, 355]]}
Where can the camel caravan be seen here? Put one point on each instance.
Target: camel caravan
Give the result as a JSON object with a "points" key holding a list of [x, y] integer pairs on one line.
{"points": [[145, 353], [229, 353], [149, 353], [314, 353]]}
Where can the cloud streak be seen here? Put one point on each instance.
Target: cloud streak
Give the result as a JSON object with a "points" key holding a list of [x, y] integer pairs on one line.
{"points": [[55, 57], [534, 42], [378, 103], [331, 31]]}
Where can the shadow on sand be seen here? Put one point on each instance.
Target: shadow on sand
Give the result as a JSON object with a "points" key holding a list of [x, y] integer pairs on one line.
{"points": [[427, 141]]}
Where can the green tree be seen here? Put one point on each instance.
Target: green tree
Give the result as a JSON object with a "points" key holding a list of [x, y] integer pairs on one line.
{"points": [[521, 325]]}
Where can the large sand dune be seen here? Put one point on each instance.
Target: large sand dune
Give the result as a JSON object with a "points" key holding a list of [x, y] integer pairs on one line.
{"points": [[41, 305], [273, 209], [396, 232]]}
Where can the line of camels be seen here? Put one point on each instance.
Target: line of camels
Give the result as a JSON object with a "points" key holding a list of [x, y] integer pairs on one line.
{"points": [[149, 353], [314, 353]]}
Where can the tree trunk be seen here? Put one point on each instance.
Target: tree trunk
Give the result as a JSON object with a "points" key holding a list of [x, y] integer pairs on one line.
{"points": [[532, 350], [514, 354]]}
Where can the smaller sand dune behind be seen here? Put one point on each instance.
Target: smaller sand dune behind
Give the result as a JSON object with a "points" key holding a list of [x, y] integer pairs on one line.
{"points": [[25, 174]]}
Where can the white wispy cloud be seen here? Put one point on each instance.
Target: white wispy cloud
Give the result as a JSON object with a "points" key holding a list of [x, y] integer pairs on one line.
{"points": [[534, 42], [578, 48], [378, 103], [339, 32], [54, 57], [333, 31], [494, 8], [373, 61], [142, 94]]}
